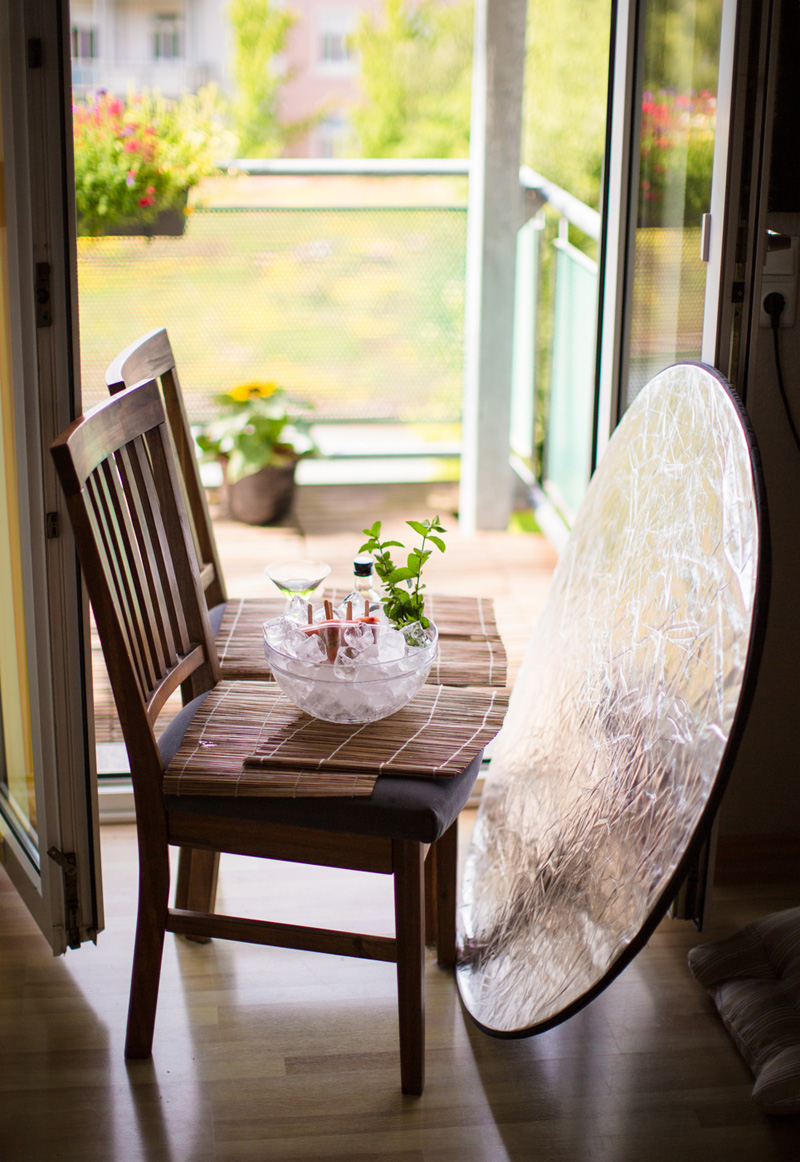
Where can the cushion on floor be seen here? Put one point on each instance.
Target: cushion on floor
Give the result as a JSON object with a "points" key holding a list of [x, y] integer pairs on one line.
{"points": [[754, 980]]}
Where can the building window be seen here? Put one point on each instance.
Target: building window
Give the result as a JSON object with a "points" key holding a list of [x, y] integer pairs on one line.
{"points": [[84, 42], [331, 137], [335, 52], [335, 47], [167, 38]]}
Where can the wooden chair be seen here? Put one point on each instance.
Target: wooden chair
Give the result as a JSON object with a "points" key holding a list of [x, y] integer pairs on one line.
{"points": [[150, 357], [133, 536], [470, 650]]}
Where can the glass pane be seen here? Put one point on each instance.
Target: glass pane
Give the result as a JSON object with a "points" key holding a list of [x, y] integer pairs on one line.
{"points": [[569, 433], [678, 122], [17, 800]]}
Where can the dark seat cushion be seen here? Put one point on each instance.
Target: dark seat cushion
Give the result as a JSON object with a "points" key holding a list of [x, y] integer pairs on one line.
{"points": [[215, 616], [401, 808]]}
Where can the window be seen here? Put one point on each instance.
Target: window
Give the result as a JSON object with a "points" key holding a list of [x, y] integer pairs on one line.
{"points": [[84, 42], [167, 38], [335, 47], [331, 137], [335, 52]]}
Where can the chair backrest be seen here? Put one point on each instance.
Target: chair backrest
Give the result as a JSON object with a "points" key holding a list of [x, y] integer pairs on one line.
{"points": [[118, 473], [627, 712], [151, 357]]}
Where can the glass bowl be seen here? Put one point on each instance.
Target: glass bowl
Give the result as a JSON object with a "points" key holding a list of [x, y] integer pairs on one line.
{"points": [[360, 692]]}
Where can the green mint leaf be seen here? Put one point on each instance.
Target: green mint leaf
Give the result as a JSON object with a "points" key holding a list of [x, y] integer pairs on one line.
{"points": [[401, 574]]}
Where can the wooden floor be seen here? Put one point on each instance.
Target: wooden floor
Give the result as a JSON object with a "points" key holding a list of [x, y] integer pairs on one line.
{"points": [[275, 1054]]}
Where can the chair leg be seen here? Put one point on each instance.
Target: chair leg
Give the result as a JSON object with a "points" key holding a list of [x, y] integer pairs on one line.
{"points": [[430, 897], [408, 908], [196, 884], [148, 949], [446, 856]]}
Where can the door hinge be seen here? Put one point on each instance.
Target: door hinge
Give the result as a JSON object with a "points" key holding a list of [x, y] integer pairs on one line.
{"points": [[51, 526], [35, 53], [69, 866], [42, 294]]}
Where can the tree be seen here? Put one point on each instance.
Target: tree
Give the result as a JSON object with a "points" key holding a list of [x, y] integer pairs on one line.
{"points": [[416, 73], [260, 30], [566, 83]]}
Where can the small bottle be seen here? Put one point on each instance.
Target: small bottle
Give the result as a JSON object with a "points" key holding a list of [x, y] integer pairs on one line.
{"points": [[363, 586]]}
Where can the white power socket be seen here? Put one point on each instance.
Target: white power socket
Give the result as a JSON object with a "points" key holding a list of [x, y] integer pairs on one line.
{"points": [[780, 274]]}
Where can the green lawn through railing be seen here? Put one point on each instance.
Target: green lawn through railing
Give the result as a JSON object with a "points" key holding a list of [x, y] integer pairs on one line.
{"points": [[359, 310]]}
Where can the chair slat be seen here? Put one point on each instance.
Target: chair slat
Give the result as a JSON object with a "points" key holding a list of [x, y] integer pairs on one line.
{"points": [[144, 517], [97, 487], [170, 606], [105, 568], [138, 585]]}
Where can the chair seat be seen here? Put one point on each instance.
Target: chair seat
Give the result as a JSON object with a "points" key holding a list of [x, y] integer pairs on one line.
{"points": [[415, 809]]}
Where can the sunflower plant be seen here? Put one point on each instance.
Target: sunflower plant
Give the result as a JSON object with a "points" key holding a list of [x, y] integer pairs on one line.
{"points": [[260, 427]]}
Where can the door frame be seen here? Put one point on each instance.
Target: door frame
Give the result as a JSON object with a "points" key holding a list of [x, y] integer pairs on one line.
{"points": [[40, 211]]}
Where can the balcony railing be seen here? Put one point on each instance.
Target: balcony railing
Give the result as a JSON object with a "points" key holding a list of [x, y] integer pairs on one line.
{"points": [[344, 281]]}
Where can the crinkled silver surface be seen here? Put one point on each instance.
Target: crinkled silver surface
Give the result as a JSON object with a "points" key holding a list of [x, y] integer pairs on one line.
{"points": [[621, 712]]}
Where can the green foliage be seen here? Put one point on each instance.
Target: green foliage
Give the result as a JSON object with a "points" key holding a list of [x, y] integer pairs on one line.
{"points": [[679, 107], [677, 157], [566, 81], [259, 428], [135, 158], [404, 603], [259, 29], [682, 45], [416, 73]]}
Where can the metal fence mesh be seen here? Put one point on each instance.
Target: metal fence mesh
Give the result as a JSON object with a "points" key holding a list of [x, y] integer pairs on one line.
{"points": [[359, 310]]}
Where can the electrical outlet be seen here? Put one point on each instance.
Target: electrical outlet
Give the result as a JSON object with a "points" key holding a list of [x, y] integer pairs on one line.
{"points": [[780, 274]]}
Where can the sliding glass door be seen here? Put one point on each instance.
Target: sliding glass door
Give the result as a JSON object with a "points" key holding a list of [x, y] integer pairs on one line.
{"points": [[668, 163], [48, 818]]}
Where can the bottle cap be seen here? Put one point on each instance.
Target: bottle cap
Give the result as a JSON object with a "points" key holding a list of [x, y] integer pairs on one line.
{"points": [[362, 565]]}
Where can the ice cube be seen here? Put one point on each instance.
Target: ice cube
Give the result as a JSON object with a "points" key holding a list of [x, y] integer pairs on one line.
{"points": [[391, 645], [415, 635], [298, 610], [308, 648]]}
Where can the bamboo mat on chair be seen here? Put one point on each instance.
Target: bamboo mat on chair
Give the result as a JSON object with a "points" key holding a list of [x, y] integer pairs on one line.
{"points": [[270, 748], [470, 650]]}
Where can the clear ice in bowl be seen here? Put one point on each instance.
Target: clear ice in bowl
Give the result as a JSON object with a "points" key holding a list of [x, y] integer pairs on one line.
{"points": [[369, 679]]}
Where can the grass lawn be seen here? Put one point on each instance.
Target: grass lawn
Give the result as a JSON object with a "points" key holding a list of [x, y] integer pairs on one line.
{"points": [[359, 310]]}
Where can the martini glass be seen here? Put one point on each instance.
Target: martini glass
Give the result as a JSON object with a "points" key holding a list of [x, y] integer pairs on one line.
{"points": [[297, 578]]}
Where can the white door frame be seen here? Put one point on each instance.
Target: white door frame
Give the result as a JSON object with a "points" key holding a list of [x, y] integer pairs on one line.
{"points": [[39, 193]]}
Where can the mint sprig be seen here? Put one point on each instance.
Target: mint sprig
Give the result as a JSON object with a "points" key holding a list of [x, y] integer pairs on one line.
{"points": [[404, 602]]}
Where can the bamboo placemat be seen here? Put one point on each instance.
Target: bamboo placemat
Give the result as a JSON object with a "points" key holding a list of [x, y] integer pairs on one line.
{"points": [[247, 739], [470, 650]]}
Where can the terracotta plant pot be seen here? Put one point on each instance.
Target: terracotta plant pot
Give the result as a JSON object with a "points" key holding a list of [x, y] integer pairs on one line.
{"points": [[262, 498]]}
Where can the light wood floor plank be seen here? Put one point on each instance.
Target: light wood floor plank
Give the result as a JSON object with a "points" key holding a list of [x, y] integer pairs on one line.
{"points": [[271, 1054]]}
